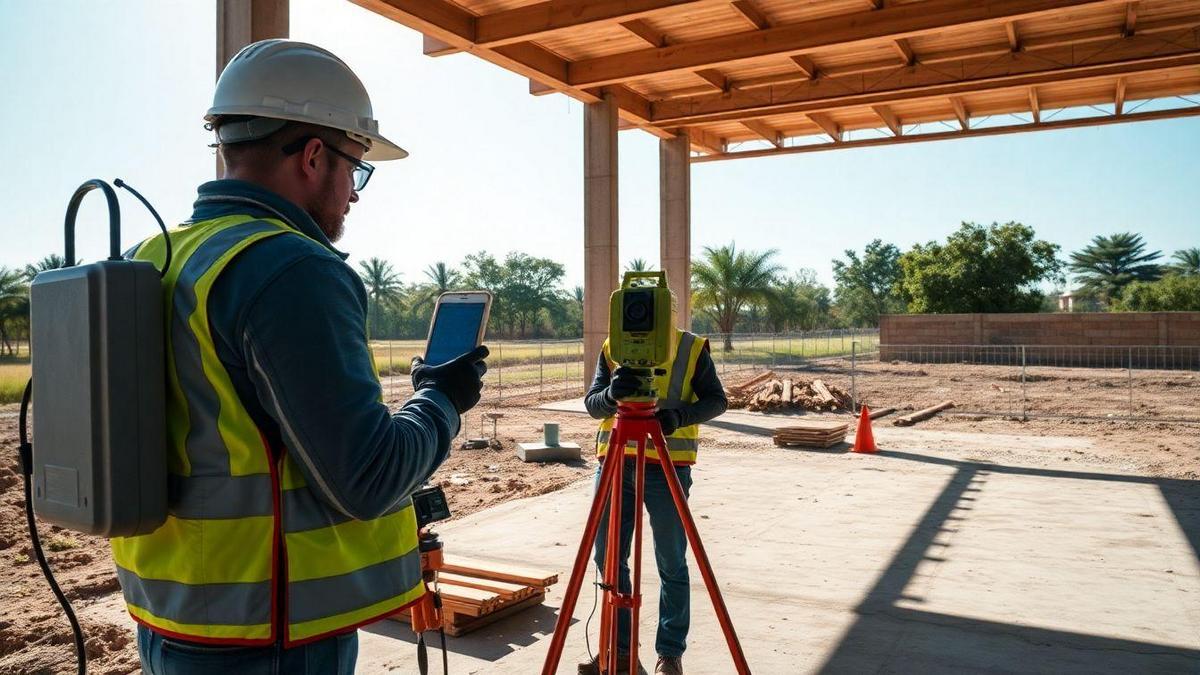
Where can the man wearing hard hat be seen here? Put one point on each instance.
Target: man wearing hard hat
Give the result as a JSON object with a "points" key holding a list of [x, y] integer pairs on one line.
{"points": [[290, 520]]}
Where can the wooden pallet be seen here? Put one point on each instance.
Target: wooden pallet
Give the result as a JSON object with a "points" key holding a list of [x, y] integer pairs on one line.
{"points": [[811, 435], [475, 594]]}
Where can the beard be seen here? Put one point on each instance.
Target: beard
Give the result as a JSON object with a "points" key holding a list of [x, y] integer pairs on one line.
{"points": [[330, 217]]}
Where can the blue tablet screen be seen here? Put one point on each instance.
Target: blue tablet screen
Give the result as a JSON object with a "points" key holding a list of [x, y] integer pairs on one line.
{"points": [[455, 329]]}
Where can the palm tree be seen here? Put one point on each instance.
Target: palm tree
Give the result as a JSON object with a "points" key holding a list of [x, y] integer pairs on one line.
{"points": [[383, 287], [637, 265], [727, 280], [14, 304], [577, 295], [1189, 262], [1108, 264], [442, 278], [50, 262]]}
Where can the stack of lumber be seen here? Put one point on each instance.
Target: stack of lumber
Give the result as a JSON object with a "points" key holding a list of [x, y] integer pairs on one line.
{"points": [[768, 392], [475, 594], [812, 434]]}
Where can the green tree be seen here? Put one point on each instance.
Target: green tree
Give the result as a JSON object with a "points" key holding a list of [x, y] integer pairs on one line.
{"points": [[1108, 264], [727, 281], [1188, 262], [384, 289], [50, 262], [532, 287], [442, 279], [637, 265], [979, 269], [866, 286], [1172, 293], [14, 308], [799, 303]]}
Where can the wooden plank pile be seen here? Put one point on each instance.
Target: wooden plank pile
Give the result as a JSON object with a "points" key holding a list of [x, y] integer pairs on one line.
{"points": [[815, 434], [769, 392], [475, 594]]}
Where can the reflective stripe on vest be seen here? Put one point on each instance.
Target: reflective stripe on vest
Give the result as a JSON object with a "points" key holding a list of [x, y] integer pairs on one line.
{"points": [[684, 443], [210, 572]]}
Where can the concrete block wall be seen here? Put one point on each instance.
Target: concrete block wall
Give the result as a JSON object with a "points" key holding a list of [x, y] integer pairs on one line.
{"points": [[1175, 335]]}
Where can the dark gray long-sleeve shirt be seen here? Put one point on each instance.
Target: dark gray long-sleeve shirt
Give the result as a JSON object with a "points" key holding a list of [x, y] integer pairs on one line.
{"points": [[710, 402]]}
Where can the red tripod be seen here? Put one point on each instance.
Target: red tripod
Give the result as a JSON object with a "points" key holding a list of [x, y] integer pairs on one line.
{"points": [[635, 421]]}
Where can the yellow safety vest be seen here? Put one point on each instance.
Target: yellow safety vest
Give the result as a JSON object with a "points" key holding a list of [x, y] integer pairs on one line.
{"points": [[238, 519], [675, 390]]}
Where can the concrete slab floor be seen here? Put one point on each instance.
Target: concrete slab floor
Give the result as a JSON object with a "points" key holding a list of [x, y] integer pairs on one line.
{"points": [[905, 561]]}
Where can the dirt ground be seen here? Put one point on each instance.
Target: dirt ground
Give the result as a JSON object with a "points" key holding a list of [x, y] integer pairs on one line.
{"points": [[35, 637]]}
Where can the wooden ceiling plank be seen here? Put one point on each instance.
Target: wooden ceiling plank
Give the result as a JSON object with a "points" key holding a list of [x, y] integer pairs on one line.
{"points": [[765, 132], [960, 111], [702, 141], [1120, 96], [543, 19], [904, 49], [1035, 105], [652, 36], [889, 118], [1126, 56], [1102, 34], [752, 14], [950, 135], [827, 125], [845, 30]]}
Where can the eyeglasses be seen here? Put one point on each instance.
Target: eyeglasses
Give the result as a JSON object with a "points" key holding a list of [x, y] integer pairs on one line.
{"points": [[362, 170]]}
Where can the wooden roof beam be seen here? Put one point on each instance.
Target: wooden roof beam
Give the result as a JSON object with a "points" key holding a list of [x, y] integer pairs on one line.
{"points": [[907, 57], [960, 111], [1014, 40], [650, 34], [874, 4], [431, 46], [1035, 105], [714, 78], [889, 118], [703, 141], [543, 19], [1131, 11], [806, 66], [856, 29], [752, 14], [1127, 56], [833, 129], [774, 136], [1174, 113], [1120, 96]]}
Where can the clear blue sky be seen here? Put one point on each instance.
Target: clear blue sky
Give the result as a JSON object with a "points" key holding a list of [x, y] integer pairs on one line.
{"points": [[119, 89]]}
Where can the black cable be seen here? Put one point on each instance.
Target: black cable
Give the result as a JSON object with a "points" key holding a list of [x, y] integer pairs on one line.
{"points": [[26, 450], [167, 263], [587, 624]]}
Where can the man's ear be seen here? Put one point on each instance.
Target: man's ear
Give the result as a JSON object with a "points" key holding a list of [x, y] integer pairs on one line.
{"points": [[311, 157]]}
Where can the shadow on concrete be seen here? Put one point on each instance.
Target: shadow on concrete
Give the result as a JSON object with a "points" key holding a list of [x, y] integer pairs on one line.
{"points": [[889, 638], [490, 643]]}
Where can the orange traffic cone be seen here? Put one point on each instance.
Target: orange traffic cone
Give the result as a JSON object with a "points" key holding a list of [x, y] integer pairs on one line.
{"points": [[864, 440]]}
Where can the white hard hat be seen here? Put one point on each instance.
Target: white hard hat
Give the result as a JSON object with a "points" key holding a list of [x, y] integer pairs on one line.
{"points": [[294, 81]]}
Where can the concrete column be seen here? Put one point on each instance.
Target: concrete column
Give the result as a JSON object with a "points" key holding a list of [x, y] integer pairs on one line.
{"points": [[241, 22], [675, 221], [600, 254]]}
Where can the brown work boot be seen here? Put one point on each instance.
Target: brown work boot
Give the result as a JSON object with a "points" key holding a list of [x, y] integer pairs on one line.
{"points": [[593, 667], [669, 665]]}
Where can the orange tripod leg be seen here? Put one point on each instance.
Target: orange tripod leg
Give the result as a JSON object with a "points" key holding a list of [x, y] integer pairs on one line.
{"points": [[635, 596], [582, 558], [710, 580], [612, 557]]}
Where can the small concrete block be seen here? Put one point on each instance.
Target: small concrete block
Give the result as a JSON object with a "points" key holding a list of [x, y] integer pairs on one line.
{"points": [[540, 452]]}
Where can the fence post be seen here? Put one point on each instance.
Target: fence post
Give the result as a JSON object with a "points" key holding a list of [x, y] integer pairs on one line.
{"points": [[500, 372], [854, 376], [541, 366], [1024, 397], [1130, 381], [772, 350]]}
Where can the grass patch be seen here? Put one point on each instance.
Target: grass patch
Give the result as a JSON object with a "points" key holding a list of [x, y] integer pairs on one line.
{"points": [[13, 377], [61, 542]]}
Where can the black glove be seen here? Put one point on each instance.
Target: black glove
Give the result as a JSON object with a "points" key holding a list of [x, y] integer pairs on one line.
{"points": [[460, 380], [669, 420], [625, 382]]}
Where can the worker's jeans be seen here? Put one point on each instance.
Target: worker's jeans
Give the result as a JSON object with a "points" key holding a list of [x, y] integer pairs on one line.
{"points": [[670, 552], [167, 656]]}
